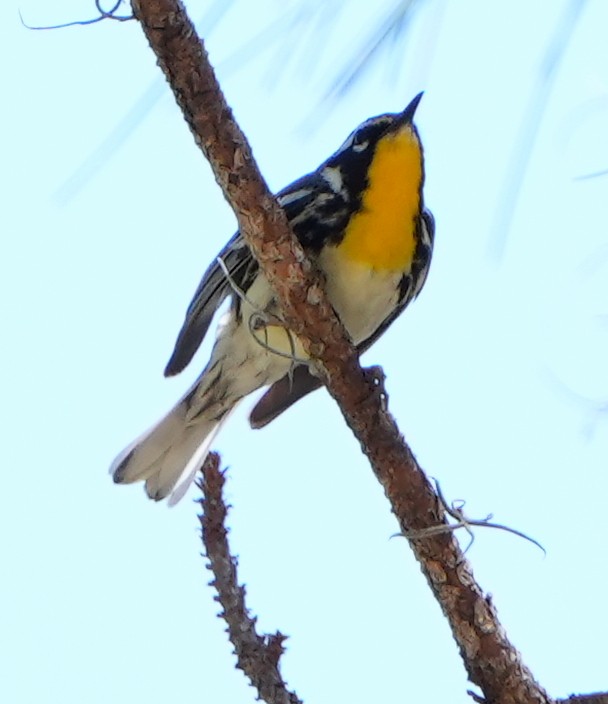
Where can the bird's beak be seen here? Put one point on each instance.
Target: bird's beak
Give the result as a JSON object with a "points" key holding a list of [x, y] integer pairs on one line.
{"points": [[407, 116]]}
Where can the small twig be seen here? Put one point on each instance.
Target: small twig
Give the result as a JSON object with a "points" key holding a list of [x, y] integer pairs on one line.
{"points": [[456, 510], [257, 322], [261, 319], [238, 291], [103, 15], [257, 656]]}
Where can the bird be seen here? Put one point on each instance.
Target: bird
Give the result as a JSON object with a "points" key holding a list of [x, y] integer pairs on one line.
{"points": [[361, 219]]}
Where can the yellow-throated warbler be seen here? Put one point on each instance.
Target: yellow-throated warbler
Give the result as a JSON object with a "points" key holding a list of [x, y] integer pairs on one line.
{"points": [[361, 217]]}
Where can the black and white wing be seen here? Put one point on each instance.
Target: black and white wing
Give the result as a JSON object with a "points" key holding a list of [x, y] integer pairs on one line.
{"points": [[239, 268], [214, 288]]}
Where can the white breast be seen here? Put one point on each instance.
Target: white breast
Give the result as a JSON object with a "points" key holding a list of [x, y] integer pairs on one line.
{"points": [[362, 297]]}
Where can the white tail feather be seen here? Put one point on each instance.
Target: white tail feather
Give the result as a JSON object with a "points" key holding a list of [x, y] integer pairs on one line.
{"points": [[169, 454], [171, 451], [196, 462]]}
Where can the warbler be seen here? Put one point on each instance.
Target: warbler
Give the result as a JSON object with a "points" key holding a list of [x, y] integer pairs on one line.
{"points": [[361, 219]]}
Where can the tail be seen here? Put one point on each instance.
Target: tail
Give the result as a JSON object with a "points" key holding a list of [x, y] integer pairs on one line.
{"points": [[168, 455]]}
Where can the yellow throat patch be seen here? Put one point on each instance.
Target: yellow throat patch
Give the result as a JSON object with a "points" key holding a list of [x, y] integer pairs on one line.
{"points": [[382, 234]]}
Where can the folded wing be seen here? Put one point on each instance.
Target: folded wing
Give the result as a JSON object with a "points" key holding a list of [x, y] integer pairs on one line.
{"points": [[237, 270]]}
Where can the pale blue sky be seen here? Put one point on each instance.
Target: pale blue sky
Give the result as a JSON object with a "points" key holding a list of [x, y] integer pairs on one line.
{"points": [[104, 593]]}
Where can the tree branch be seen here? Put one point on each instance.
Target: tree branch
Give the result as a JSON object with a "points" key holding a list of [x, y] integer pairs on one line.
{"points": [[257, 656], [491, 660]]}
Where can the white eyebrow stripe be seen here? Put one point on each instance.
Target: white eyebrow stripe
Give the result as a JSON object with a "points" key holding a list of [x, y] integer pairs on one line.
{"points": [[333, 176]]}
